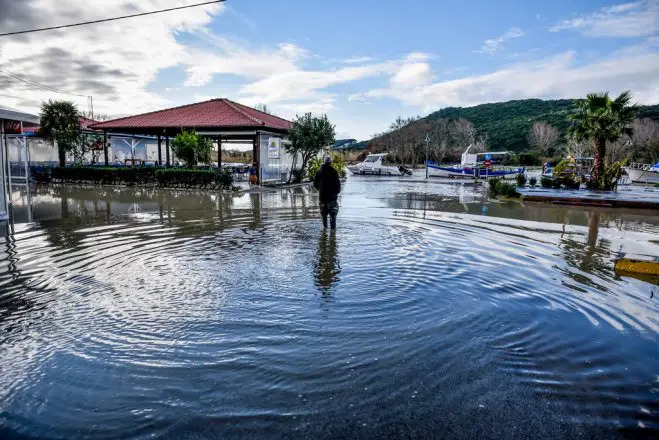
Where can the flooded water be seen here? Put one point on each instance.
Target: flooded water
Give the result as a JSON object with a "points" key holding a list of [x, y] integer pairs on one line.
{"points": [[431, 313]]}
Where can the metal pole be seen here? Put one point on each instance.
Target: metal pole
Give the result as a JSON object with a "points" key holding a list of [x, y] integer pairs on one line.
{"points": [[427, 142], [167, 150], [8, 166], [27, 161], [105, 148], [219, 152], [159, 150]]}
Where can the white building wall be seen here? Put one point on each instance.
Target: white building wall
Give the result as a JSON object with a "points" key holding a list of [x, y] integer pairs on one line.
{"points": [[275, 163]]}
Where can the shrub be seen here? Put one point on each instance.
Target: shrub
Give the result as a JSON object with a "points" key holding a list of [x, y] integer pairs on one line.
{"points": [[533, 181], [180, 177], [192, 148], [314, 167], [610, 178], [104, 175], [339, 163], [521, 179], [493, 188], [499, 187], [546, 182]]}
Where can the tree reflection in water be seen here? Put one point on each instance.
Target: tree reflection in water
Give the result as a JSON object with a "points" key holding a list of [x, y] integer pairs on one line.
{"points": [[327, 267]]}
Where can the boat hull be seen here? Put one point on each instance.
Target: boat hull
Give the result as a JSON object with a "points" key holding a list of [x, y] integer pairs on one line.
{"points": [[642, 176], [377, 171], [471, 173]]}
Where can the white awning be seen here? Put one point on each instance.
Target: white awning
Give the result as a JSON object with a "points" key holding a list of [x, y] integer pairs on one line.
{"points": [[15, 115]]}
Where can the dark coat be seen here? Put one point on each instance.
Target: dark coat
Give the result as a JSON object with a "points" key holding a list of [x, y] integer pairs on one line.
{"points": [[327, 183]]}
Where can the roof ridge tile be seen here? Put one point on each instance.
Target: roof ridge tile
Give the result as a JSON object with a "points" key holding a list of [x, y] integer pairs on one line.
{"points": [[243, 112]]}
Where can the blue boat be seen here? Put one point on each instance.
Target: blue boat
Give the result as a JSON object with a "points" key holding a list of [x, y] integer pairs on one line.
{"points": [[476, 166]]}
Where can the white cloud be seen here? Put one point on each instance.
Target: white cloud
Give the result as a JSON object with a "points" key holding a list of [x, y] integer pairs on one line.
{"points": [[305, 85], [114, 61], [557, 76], [117, 62], [635, 19], [494, 45], [323, 104], [357, 60], [230, 57], [413, 75], [418, 56]]}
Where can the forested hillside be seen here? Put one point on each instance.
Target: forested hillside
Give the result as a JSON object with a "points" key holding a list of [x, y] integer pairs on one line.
{"points": [[502, 126]]}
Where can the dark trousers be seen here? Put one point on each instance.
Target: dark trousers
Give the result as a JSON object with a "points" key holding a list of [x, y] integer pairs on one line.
{"points": [[331, 209]]}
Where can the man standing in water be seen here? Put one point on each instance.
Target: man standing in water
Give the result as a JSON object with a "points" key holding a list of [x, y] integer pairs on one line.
{"points": [[329, 186]]}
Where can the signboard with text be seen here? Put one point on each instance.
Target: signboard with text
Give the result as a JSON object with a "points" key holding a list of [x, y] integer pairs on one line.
{"points": [[274, 148]]}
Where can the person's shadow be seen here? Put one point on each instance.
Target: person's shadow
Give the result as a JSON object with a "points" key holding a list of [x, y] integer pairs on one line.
{"points": [[326, 266]]}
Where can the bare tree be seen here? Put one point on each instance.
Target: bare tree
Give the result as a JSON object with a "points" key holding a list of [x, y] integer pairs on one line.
{"points": [[619, 150], [575, 148], [542, 137], [646, 139], [479, 145], [439, 135], [464, 133], [398, 136]]}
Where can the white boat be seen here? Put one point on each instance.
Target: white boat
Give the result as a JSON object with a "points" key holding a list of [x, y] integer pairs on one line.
{"points": [[476, 166], [373, 164], [643, 173]]}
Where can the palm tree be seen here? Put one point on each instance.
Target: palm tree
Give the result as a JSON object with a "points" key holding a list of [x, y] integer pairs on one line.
{"points": [[60, 121], [600, 120]]}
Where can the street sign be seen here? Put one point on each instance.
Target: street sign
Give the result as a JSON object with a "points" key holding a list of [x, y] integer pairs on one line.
{"points": [[488, 164], [488, 156]]}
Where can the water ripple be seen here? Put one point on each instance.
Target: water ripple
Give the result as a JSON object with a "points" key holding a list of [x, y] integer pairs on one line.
{"points": [[252, 320]]}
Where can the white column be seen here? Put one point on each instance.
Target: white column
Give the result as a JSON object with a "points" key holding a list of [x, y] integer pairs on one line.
{"points": [[27, 161]]}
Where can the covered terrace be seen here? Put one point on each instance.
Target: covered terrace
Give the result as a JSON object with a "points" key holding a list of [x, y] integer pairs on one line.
{"points": [[223, 120]]}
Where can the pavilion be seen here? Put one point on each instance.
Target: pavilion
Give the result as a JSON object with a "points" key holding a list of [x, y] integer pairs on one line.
{"points": [[222, 120]]}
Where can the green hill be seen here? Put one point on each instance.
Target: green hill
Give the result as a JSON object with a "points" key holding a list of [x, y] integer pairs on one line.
{"points": [[507, 124]]}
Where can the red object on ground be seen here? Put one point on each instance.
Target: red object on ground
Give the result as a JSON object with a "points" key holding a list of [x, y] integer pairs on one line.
{"points": [[214, 113]]}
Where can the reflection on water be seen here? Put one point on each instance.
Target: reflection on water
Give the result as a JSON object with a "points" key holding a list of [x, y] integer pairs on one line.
{"points": [[327, 267], [127, 313]]}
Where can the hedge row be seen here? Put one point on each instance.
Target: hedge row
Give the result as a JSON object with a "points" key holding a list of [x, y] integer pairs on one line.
{"points": [[104, 175], [194, 178], [164, 177]]}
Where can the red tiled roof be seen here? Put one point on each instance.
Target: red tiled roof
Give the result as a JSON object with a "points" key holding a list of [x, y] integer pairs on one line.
{"points": [[216, 113], [86, 122]]}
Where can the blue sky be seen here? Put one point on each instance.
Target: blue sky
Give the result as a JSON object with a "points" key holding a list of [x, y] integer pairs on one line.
{"points": [[362, 62]]}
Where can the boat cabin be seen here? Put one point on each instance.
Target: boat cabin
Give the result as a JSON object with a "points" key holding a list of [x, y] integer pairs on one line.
{"points": [[495, 157]]}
